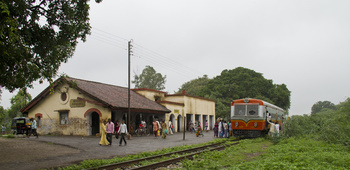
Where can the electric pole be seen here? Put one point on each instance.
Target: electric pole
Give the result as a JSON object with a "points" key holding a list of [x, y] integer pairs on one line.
{"points": [[129, 55]]}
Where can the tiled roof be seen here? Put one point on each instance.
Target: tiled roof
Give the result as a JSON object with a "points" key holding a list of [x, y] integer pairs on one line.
{"points": [[109, 95], [117, 96]]}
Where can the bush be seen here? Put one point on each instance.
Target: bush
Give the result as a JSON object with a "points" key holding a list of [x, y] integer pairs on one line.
{"points": [[328, 125]]}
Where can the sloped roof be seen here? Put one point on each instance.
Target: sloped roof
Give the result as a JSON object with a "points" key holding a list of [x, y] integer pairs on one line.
{"points": [[112, 96]]}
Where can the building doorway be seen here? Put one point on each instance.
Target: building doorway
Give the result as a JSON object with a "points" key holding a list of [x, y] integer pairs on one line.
{"points": [[95, 123], [179, 123]]}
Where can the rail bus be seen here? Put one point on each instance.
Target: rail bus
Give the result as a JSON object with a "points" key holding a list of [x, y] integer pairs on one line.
{"points": [[249, 117]]}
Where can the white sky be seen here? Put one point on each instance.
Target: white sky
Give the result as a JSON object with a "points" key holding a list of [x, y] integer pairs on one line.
{"points": [[303, 44]]}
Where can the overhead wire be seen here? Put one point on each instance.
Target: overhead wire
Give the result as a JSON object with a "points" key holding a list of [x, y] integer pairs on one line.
{"points": [[151, 52], [161, 63], [144, 53]]}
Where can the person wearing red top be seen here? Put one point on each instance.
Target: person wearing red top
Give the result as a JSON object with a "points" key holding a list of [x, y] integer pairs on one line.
{"points": [[116, 129]]}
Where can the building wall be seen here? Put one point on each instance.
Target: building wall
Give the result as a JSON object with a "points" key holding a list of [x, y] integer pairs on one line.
{"points": [[176, 111], [150, 94], [204, 109], [79, 118]]}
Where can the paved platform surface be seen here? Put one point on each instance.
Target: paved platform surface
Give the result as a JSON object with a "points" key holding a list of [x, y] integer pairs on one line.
{"points": [[88, 148]]}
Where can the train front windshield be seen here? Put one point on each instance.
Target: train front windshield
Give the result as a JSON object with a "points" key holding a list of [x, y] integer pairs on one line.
{"points": [[246, 110]]}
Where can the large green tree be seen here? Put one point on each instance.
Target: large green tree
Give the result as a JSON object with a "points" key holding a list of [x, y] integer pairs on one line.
{"points": [[37, 36], [317, 107], [194, 86], [236, 84], [18, 102], [149, 78]]}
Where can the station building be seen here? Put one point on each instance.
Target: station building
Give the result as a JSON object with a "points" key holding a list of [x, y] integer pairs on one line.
{"points": [[73, 106]]}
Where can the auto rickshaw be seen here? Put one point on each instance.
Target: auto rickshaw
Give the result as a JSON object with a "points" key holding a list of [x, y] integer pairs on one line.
{"points": [[21, 125]]}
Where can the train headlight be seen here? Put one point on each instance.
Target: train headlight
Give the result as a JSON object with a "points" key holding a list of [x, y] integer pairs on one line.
{"points": [[236, 124], [255, 124]]}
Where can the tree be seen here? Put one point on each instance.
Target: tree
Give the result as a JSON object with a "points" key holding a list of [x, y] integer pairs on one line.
{"points": [[317, 107], [18, 102], [37, 36], [194, 86], [238, 83], [3, 114], [149, 78]]}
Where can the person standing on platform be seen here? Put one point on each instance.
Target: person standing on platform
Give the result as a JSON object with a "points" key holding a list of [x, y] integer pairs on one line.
{"points": [[216, 126], [110, 131], [116, 129], [103, 140], [221, 129], [206, 126], [170, 128], [225, 135], [155, 128], [122, 130], [3, 129], [230, 129], [164, 129]]}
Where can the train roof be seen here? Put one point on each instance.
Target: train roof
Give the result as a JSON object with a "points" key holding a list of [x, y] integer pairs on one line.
{"points": [[261, 102]]}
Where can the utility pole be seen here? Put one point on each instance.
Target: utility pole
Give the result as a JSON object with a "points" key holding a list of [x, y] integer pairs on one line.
{"points": [[129, 55]]}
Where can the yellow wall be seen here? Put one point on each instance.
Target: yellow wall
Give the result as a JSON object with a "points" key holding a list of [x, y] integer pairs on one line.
{"points": [[192, 106], [150, 94], [50, 106]]}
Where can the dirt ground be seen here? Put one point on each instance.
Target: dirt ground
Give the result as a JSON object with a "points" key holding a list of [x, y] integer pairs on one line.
{"points": [[57, 151], [17, 151]]}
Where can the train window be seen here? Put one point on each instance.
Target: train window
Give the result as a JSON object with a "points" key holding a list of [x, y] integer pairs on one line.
{"points": [[252, 110], [240, 110]]}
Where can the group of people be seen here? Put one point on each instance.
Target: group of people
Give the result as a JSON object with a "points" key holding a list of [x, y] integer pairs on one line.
{"points": [[197, 128], [222, 129], [274, 128], [109, 128], [161, 128]]}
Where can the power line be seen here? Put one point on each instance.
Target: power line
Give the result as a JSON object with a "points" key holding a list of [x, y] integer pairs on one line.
{"points": [[151, 52], [144, 53], [109, 42]]}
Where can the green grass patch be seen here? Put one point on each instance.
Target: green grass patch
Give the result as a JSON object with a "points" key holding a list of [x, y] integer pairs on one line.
{"points": [[300, 153], [246, 150], [291, 153], [9, 136]]}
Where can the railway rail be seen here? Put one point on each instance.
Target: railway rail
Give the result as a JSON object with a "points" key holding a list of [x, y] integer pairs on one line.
{"points": [[192, 151]]}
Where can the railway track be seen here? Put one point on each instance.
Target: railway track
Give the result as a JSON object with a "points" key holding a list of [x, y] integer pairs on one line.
{"points": [[189, 154]]}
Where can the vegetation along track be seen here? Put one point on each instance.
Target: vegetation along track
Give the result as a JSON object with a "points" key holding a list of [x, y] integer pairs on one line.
{"points": [[187, 154]]}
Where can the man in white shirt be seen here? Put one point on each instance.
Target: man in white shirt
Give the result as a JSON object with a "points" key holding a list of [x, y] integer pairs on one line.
{"points": [[122, 130]]}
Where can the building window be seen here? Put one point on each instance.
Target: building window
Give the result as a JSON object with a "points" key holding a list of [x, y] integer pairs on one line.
{"points": [[39, 121], [63, 117], [157, 98], [63, 96]]}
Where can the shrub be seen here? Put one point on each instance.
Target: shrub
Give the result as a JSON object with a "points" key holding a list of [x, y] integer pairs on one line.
{"points": [[328, 125]]}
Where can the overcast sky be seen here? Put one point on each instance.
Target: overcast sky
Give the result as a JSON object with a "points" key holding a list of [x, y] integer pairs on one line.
{"points": [[303, 44]]}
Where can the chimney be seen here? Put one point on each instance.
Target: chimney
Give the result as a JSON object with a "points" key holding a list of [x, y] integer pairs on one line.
{"points": [[183, 91]]}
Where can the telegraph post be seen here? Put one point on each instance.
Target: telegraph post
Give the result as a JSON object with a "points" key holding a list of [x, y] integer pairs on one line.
{"points": [[183, 115], [129, 55]]}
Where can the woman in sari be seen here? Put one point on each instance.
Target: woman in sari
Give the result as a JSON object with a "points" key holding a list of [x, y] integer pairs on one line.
{"points": [[164, 130], [216, 129], [155, 127], [103, 140]]}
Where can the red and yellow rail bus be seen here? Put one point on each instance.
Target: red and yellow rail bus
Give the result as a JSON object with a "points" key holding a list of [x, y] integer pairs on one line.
{"points": [[249, 116]]}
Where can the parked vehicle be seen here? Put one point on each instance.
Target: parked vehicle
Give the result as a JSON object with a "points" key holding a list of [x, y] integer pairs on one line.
{"points": [[21, 125]]}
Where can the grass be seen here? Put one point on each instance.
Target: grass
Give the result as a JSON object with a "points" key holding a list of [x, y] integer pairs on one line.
{"points": [[301, 153], [246, 150], [291, 153]]}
